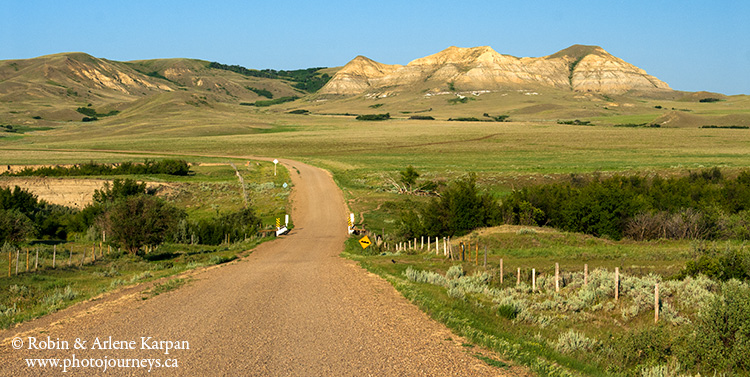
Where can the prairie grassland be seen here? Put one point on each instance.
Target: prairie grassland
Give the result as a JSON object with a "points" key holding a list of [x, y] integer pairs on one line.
{"points": [[343, 144], [361, 155]]}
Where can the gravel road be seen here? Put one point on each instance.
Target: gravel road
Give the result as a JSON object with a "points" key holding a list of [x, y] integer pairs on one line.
{"points": [[291, 308]]}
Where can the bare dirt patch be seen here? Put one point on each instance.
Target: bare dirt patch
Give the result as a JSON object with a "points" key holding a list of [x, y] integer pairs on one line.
{"points": [[76, 193]]}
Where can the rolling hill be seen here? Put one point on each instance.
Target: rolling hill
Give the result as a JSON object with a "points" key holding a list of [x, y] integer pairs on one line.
{"points": [[159, 95], [52, 87]]}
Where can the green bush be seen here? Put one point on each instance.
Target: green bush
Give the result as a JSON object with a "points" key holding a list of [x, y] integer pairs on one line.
{"points": [[575, 122], [728, 127], [459, 209], [507, 311], [92, 114], [498, 118], [731, 263], [647, 346], [422, 117], [385, 116], [23, 216], [235, 225], [720, 341], [260, 92], [457, 100], [272, 102], [140, 220]]}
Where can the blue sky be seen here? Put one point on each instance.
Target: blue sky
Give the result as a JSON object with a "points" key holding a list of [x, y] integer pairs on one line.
{"points": [[692, 45]]}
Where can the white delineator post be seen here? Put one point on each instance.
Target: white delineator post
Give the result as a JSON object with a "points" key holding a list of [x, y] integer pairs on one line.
{"points": [[533, 279], [275, 162]]}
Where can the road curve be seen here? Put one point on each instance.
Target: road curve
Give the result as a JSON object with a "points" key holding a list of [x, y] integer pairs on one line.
{"points": [[291, 308]]}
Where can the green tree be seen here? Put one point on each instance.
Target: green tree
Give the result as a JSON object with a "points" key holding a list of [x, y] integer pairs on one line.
{"points": [[118, 190], [14, 226], [18, 199], [460, 208], [140, 220], [409, 176]]}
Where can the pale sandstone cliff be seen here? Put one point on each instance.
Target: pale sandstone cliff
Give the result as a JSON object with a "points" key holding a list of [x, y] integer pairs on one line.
{"points": [[579, 68]]}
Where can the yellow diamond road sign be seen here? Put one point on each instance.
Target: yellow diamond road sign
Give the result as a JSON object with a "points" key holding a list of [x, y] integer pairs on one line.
{"points": [[365, 241]]}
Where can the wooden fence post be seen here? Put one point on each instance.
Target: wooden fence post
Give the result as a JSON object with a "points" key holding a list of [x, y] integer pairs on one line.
{"points": [[476, 255], [533, 279], [421, 244], [656, 303], [70, 256], [518, 278], [54, 255], [557, 277], [10, 262], [36, 260], [501, 268], [485, 259], [585, 274], [17, 253], [617, 283], [83, 257], [27, 260]]}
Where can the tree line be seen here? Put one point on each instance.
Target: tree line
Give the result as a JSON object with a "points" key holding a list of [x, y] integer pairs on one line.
{"points": [[307, 79], [169, 167], [702, 205], [128, 212]]}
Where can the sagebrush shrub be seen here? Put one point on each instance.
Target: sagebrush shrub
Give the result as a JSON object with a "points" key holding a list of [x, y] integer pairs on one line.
{"points": [[455, 271], [573, 341]]}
